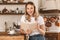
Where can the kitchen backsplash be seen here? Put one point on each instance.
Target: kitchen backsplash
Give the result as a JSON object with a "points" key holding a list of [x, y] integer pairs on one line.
{"points": [[9, 19], [52, 22], [16, 18]]}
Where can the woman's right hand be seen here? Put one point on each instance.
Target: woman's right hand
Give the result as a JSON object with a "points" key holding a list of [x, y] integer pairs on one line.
{"points": [[28, 31], [22, 31]]}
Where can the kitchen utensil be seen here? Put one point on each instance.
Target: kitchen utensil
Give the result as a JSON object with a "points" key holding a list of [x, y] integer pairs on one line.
{"points": [[52, 19], [48, 24], [5, 10], [57, 23], [45, 19]]}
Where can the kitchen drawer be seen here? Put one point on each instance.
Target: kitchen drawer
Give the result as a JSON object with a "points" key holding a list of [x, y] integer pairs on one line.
{"points": [[49, 38], [51, 35]]}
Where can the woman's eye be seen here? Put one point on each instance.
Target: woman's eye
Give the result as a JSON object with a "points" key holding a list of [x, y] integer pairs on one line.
{"points": [[27, 8], [31, 8]]}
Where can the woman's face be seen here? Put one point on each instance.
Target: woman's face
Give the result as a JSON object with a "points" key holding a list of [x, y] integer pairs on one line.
{"points": [[30, 9]]}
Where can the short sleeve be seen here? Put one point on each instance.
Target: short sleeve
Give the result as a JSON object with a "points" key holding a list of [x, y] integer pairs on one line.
{"points": [[40, 20], [21, 19]]}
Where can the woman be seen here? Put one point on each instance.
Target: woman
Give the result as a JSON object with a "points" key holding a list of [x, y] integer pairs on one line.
{"points": [[31, 16]]}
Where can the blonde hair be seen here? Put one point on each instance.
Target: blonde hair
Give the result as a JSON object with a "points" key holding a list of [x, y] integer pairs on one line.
{"points": [[35, 14]]}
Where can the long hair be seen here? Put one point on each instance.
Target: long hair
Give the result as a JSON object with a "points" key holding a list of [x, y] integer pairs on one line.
{"points": [[35, 14]]}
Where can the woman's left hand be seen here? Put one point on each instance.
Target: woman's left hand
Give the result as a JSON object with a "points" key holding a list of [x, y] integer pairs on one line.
{"points": [[37, 27], [41, 29], [28, 31]]}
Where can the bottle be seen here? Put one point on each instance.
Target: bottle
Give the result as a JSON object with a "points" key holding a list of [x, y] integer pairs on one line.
{"points": [[6, 27], [17, 10]]}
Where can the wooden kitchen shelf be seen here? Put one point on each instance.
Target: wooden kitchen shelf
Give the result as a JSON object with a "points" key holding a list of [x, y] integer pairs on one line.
{"points": [[12, 3], [49, 11], [11, 13]]}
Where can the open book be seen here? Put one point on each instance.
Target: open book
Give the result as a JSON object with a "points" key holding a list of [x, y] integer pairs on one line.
{"points": [[26, 26]]}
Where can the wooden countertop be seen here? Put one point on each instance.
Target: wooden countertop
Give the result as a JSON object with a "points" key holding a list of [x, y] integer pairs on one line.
{"points": [[52, 32], [6, 34]]}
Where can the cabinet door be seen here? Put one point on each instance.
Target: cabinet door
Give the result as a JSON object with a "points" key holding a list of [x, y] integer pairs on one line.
{"points": [[51, 38], [58, 4], [49, 5]]}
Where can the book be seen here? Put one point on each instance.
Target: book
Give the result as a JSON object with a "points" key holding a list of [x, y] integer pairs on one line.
{"points": [[31, 26]]}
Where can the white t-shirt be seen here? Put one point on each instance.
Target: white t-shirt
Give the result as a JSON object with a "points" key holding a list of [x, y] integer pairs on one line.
{"points": [[39, 20]]}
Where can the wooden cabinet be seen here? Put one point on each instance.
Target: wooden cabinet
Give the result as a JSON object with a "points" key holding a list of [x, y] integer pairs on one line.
{"points": [[49, 4], [52, 36], [58, 4], [12, 37]]}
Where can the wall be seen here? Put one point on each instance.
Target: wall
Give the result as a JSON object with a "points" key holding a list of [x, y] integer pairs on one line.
{"points": [[9, 19]]}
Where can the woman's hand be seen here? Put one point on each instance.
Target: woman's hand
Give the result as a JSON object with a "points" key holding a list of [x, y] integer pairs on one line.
{"points": [[41, 29], [37, 27], [22, 31], [28, 31]]}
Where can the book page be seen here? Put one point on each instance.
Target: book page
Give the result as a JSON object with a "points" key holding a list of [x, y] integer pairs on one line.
{"points": [[26, 26]]}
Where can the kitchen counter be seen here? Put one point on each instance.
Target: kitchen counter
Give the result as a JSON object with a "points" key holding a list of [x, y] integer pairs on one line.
{"points": [[6, 34], [52, 32], [18, 36], [52, 35]]}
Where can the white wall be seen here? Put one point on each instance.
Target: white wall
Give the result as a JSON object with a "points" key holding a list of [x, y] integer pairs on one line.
{"points": [[9, 19]]}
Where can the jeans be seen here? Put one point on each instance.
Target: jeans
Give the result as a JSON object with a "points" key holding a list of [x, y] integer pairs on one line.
{"points": [[37, 37]]}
